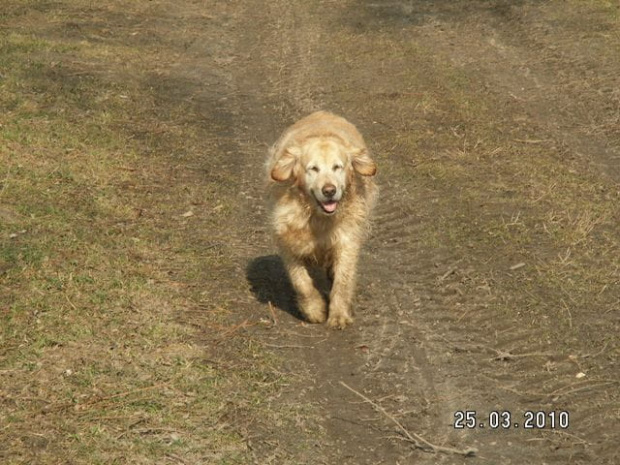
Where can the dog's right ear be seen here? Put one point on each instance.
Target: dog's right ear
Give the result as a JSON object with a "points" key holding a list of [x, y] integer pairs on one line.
{"points": [[283, 169]]}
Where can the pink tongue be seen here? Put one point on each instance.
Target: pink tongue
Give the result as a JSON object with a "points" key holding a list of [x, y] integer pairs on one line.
{"points": [[330, 207]]}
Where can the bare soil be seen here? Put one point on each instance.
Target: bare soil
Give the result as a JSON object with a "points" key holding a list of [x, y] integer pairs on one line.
{"points": [[491, 282]]}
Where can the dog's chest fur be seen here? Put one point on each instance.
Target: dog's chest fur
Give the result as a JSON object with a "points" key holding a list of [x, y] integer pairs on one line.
{"points": [[301, 230]]}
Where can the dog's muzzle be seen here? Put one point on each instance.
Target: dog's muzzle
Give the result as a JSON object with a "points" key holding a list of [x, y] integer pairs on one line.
{"points": [[330, 203]]}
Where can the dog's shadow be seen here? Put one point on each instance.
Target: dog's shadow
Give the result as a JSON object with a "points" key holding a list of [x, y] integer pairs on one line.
{"points": [[270, 283]]}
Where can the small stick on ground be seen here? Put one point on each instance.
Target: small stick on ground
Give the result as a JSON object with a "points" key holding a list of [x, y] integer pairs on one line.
{"points": [[565, 433], [228, 333], [81, 407], [507, 356], [417, 440], [563, 391], [273, 314], [291, 346], [597, 353], [499, 354], [447, 273], [450, 271]]}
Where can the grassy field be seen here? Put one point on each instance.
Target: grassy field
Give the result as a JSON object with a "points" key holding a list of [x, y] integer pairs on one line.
{"points": [[97, 366]]}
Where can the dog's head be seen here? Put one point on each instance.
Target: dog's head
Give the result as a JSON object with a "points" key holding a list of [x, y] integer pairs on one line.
{"points": [[322, 168]]}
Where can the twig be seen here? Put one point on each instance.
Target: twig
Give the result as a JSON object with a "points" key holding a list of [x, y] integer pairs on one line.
{"points": [[447, 273], [563, 391], [70, 303], [501, 354], [506, 356], [232, 330], [276, 346], [414, 438], [531, 141], [450, 271], [5, 180], [176, 457], [98, 400], [273, 314], [597, 353], [565, 433], [311, 336], [555, 395], [570, 316]]}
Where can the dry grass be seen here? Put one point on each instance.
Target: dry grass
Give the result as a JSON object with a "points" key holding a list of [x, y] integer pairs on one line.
{"points": [[97, 272], [497, 190]]}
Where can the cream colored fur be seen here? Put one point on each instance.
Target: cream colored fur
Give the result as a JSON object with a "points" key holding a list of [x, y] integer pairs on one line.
{"points": [[322, 190]]}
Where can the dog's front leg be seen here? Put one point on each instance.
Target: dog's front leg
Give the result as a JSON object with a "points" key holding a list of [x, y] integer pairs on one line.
{"points": [[309, 299], [344, 276]]}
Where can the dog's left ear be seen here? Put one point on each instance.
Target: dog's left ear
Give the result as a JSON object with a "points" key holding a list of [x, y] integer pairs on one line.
{"points": [[283, 168], [362, 163]]}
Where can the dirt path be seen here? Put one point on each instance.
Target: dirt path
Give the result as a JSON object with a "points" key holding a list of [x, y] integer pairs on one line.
{"points": [[461, 304], [437, 333]]}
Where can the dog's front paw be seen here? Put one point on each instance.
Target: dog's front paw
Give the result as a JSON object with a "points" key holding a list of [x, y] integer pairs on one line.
{"points": [[339, 321], [314, 310]]}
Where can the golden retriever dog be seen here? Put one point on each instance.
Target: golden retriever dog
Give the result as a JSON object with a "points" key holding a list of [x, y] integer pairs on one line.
{"points": [[321, 186]]}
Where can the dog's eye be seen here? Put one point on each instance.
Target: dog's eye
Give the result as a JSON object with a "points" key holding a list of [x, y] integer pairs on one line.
{"points": [[314, 168], [337, 167]]}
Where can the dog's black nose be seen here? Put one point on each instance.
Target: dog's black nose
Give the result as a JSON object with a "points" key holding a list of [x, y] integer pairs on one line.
{"points": [[329, 190]]}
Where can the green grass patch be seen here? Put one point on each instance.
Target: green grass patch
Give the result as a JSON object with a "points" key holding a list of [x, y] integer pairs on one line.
{"points": [[98, 365]]}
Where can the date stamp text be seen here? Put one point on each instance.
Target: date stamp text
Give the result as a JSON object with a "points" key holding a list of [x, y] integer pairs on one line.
{"points": [[504, 419]]}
